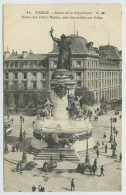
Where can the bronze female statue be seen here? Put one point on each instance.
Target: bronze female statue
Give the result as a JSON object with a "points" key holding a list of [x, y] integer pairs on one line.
{"points": [[64, 57]]}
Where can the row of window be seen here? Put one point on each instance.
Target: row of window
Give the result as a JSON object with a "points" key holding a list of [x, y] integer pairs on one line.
{"points": [[95, 84], [106, 65], [92, 64], [101, 74], [79, 63], [100, 84], [25, 85], [108, 94], [24, 64], [25, 75]]}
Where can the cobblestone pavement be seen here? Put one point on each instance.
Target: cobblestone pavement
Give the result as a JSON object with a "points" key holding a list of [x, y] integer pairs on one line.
{"points": [[60, 178]]}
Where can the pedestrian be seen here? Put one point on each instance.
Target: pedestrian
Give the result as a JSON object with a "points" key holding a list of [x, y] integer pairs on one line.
{"points": [[102, 171], [17, 167], [104, 136], [94, 169], [23, 119], [33, 188], [120, 157], [114, 128], [61, 157], [12, 120], [97, 152], [17, 147], [20, 164], [33, 122], [39, 188], [116, 133], [13, 148], [106, 148], [95, 163], [72, 185]]}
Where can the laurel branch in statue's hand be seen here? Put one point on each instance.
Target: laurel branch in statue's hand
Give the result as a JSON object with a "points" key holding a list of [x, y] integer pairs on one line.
{"points": [[51, 31]]}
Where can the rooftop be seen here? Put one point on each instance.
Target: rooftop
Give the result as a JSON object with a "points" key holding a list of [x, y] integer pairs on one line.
{"points": [[79, 45], [29, 56], [110, 51]]}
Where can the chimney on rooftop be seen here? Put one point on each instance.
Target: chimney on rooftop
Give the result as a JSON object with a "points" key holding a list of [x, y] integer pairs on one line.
{"points": [[12, 51], [30, 52], [6, 54], [24, 54]]}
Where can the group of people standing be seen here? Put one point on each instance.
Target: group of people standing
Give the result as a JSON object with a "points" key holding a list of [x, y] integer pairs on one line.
{"points": [[38, 189]]}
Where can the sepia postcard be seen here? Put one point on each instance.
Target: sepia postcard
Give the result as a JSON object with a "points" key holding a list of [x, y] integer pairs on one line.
{"points": [[62, 97]]}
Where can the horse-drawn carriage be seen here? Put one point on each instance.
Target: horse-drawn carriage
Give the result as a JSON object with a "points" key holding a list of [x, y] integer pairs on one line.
{"points": [[82, 167], [48, 166]]}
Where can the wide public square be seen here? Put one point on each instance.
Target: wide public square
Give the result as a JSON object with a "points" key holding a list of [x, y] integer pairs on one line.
{"points": [[66, 170]]}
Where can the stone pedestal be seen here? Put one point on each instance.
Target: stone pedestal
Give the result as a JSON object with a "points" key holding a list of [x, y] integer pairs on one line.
{"points": [[63, 77]]}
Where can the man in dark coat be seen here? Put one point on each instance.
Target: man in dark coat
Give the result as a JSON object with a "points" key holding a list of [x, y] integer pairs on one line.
{"points": [[116, 132], [97, 152], [17, 147], [61, 157], [95, 163], [106, 148], [72, 185], [120, 157], [102, 171]]}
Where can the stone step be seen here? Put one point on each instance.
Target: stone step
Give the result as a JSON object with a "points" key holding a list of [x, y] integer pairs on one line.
{"points": [[48, 158], [55, 154], [58, 149]]}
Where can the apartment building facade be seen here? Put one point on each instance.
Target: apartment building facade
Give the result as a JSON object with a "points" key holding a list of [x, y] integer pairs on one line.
{"points": [[28, 74]]}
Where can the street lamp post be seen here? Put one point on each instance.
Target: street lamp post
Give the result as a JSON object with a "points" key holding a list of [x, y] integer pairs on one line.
{"points": [[20, 136], [87, 159], [24, 157], [111, 135], [114, 149], [5, 140]]}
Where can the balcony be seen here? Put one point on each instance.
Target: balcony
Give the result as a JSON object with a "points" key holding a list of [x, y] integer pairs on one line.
{"points": [[79, 78], [15, 80], [23, 80]]}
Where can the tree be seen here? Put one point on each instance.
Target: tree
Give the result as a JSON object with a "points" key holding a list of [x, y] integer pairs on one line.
{"points": [[87, 96]]}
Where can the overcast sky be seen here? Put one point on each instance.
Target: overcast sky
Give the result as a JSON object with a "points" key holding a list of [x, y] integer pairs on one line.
{"points": [[25, 34]]}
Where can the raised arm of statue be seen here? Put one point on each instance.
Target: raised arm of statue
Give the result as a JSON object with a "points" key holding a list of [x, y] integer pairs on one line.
{"points": [[53, 38]]}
